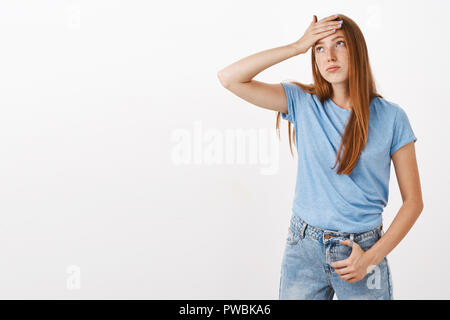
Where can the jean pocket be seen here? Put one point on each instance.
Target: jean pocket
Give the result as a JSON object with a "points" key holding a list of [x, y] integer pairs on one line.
{"points": [[342, 251], [368, 242], [293, 235]]}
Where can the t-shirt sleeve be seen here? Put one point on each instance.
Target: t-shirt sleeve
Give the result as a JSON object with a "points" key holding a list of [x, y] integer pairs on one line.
{"points": [[294, 94], [403, 133]]}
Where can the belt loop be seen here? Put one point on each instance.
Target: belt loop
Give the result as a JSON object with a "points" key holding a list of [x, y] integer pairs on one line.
{"points": [[351, 239], [302, 231]]}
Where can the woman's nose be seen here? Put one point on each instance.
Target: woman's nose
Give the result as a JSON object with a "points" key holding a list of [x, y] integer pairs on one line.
{"points": [[331, 57]]}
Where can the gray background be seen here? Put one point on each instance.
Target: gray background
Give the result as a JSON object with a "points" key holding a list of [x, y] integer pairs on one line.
{"points": [[95, 96]]}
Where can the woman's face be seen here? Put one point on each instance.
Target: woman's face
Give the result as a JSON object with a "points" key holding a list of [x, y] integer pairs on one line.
{"points": [[332, 51]]}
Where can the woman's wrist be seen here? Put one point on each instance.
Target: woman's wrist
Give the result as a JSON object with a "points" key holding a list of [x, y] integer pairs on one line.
{"points": [[298, 47], [373, 256]]}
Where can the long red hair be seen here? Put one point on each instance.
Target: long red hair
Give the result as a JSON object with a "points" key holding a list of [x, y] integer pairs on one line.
{"points": [[362, 90]]}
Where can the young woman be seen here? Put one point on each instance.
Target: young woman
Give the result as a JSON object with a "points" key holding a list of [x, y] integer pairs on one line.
{"points": [[336, 242]]}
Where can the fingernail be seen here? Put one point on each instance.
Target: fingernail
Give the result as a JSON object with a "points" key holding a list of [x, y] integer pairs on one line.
{"points": [[334, 30], [336, 15]]}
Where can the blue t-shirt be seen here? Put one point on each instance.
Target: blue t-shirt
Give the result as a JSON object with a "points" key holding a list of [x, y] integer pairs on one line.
{"points": [[338, 202]]}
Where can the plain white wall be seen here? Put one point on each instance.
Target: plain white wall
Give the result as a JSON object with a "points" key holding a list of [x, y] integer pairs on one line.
{"points": [[111, 119]]}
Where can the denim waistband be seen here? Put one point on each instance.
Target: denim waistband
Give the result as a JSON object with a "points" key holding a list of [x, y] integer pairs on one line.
{"points": [[318, 233]]}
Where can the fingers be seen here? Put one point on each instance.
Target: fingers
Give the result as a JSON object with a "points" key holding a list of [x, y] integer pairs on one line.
{"points": [[340, 264], [329, 18], [346, 274], [348, 277], [327, 27], [324, 34], [332, 23], [343, 271]]}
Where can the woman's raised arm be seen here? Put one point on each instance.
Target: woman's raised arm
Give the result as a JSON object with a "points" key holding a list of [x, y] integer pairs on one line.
{"points": [[238, 77]]}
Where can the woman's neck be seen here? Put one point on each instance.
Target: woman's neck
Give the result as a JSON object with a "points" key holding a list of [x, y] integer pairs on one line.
{"points": [[341, 95]]}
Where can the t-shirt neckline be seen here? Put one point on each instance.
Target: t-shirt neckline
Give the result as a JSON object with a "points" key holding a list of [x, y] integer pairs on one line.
{"points": [[340, 108]]}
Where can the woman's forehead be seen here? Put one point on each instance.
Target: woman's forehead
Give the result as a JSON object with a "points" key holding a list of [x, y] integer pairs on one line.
{"points": [[331, 37]]}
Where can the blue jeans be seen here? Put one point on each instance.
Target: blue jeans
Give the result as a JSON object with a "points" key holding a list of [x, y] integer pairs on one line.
{"points": [[306, 272]]}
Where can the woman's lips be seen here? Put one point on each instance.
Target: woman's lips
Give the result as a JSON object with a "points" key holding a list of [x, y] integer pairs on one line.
{"points": [[332, 69]]}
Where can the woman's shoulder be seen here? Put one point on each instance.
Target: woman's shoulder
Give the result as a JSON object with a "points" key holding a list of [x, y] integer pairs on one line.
{"points": [[301, 88], [385, 106]]}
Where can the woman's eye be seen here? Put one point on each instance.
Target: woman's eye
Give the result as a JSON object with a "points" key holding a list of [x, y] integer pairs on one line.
{"points": [[318, 48]]}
